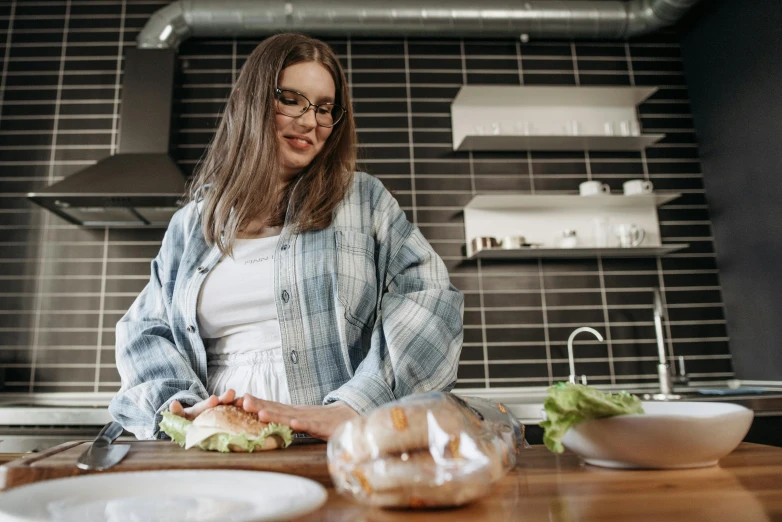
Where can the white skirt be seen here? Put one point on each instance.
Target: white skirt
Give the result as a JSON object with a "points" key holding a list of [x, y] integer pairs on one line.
{"points": [[261, 374]]}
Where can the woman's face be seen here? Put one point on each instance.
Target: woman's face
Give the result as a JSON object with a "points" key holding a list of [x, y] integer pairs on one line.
{"points": [[301, 139]]}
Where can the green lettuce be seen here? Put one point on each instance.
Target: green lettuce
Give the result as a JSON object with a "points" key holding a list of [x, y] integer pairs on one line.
{"points": [[568, 404], [176, 427]]}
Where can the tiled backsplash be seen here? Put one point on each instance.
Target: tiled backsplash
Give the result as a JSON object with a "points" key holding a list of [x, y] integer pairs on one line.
{"points": [[62, 289]]}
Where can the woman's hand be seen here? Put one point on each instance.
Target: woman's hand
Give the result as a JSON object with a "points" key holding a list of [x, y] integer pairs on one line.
{"points": [[317, 421], [196, 409]]}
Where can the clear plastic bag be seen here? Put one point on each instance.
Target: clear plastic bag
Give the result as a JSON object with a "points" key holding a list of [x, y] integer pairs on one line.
{"points": [[426, 450]]}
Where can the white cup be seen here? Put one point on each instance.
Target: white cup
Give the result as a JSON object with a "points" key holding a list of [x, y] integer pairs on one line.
{"points": [[635, 187], [593, 188], [629, 235]]}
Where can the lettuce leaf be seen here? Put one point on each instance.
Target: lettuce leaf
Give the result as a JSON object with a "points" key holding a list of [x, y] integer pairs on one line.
{"points": [[221, 441], [568, 404], [176, 427]]}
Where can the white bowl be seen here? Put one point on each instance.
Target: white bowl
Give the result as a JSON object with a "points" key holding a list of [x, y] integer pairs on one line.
{"points": [[668, 435]]}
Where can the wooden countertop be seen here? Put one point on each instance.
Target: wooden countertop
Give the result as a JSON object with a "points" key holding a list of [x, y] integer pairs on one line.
{"points": [[745, 486]]}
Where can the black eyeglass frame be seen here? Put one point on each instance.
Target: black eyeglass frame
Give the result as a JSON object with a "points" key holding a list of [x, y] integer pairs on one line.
{"points": [[278, 93]]}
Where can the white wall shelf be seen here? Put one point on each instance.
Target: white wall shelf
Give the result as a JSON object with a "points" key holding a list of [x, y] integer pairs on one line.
{"points": [[524, 253], [513, 142], [542, 218], [530, 201], [497, 118]]}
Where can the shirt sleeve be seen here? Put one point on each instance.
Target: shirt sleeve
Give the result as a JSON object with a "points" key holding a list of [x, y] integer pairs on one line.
{"points": [[154, 371], [417, 337]]}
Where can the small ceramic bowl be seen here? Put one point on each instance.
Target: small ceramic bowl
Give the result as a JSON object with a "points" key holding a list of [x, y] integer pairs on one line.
{"points": [[668, 435]]}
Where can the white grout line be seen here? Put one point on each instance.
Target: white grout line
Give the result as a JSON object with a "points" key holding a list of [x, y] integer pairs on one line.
{"points": [[350, 65], [234, 71], [484, 340], [46, 215], [101, 305], [411, 143], [544, 314], [117, 85], [6, 55]]}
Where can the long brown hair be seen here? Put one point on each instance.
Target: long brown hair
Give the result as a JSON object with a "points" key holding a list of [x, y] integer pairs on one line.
{"points": [[242, 164]]}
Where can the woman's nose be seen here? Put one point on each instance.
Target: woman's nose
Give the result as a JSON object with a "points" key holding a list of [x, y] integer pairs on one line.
{"points": [[308, 118]]}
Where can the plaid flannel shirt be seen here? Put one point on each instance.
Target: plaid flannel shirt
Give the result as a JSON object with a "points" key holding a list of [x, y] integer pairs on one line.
{"points": [[366, 309]]}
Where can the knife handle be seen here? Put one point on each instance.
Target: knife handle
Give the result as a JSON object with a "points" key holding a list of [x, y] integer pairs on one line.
{"points": [[110, 432]]}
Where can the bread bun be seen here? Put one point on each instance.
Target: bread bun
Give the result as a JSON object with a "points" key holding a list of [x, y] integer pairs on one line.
{"points": [[236, 421], [394, 430], [420, 480]]}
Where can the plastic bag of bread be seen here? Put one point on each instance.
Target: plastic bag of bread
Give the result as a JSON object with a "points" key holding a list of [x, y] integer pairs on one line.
{"points": [[426, 450]]}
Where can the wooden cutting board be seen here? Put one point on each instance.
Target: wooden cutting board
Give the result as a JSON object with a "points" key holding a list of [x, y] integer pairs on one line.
{"points": [[305, 460]]}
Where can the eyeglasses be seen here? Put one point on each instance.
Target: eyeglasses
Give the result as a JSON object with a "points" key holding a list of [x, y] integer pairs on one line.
{"points": [[295, 105]]}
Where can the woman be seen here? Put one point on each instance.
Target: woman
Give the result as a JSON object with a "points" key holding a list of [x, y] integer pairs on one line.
{"points": [[287, 280]]}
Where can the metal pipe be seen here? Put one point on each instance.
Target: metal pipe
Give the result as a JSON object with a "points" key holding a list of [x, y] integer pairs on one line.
{"points": [[599, 19]]}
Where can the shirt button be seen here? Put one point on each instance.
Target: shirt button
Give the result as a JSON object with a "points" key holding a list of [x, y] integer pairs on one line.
{"points": [[284, 247], [294, 357], [285, 296], [201, 269], [191, 328]]}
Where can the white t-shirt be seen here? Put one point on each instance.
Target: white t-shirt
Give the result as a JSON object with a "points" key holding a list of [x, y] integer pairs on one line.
{"points": [[237, 317]]}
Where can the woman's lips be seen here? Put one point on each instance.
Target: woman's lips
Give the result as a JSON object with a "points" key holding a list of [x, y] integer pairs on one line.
{"points": [[297, 143]]}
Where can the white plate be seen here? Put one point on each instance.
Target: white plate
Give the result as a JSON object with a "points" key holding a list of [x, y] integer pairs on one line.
{"points": [[669, 435], [164, 496]]}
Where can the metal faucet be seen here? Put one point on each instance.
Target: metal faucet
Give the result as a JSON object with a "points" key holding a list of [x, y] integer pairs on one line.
{"points": [[663, 369], [573, 335]]}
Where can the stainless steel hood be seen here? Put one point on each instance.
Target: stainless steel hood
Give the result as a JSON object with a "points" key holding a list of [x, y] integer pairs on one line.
{"points": [[141, 184]]}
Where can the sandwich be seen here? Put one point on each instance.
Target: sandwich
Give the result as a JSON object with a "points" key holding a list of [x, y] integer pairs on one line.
{"points": [[226, 428]]}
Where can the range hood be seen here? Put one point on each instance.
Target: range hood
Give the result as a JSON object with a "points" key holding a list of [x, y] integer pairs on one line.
{"points": [[141, 185]]}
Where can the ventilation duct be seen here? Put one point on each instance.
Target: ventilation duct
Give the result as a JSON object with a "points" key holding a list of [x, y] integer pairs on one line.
{"points": [[576, 19]]}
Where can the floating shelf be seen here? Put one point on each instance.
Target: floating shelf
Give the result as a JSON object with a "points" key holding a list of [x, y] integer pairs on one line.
{"points": [[548, 116], [508, 142], [517, 202], [524, 253], [540, 219]]}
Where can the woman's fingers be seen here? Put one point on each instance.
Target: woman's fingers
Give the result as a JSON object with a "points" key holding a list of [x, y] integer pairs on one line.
{"points": [[177, 409], [254, 404], [199, 407], [301, 425], [227, 397], [276, 416], [269, 411]]}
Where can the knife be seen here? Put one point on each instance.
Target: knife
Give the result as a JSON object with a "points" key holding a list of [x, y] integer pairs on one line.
{"points": [[102, 454]]}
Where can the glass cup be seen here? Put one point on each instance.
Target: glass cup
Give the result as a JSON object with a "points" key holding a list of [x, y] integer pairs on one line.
{"points": [[600, 229]]}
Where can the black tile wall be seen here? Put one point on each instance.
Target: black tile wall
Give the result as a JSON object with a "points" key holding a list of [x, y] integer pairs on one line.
{"points": [[62, 288]]}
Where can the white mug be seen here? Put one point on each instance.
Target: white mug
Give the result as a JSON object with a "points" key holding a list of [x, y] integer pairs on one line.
{"points": [[635, 187], [593, 188], [629, 235]]}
